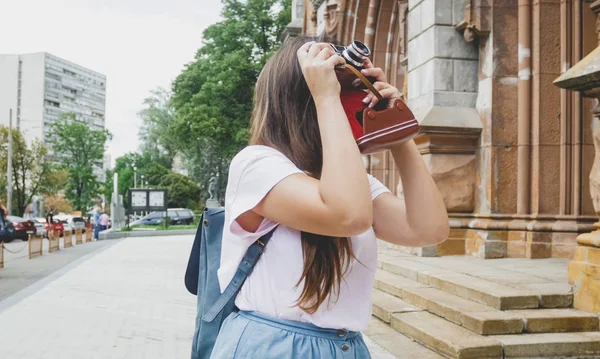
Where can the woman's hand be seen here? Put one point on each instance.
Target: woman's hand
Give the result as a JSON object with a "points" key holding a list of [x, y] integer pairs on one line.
{"points": [[317, 61], [385, 89]]}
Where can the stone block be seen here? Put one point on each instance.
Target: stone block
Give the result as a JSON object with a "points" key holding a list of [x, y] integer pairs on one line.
{"points": [[538, 250], [505, 46], [454, 99], [466, 75], [515, 249], [394, 284], [414, 79], [443, 12], [458, 11], [396, 343], [482, 291], [414, 22], [585, 277], [442, 72], [446, 338], [428, 13], [449, 43], [455, 177], [451, 247], [413, 3], [504, 179], [421, 49], [504, 114], [551, 345], [492, 322], [557, 320], [384, 305], [546, 50]]}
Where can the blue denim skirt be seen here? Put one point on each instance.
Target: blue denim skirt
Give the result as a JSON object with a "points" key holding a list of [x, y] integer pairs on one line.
{"points": [[253, 335]]}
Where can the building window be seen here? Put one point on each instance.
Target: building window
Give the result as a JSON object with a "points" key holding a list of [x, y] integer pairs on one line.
{"points": [[52, 103]]}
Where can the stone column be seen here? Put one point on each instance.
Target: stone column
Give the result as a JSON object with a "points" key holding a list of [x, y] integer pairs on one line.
{"points": [[584, 269], [295, 27], [442, 92]]}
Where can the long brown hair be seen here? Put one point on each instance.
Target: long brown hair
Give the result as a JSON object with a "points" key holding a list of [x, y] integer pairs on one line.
{"points": [[285, 118]]}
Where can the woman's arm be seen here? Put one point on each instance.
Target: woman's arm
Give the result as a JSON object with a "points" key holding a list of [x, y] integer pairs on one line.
{"points": [[420, 219], [339, 204]]}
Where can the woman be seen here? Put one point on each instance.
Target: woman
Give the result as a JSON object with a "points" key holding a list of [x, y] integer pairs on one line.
{"points": [[309, 295]]}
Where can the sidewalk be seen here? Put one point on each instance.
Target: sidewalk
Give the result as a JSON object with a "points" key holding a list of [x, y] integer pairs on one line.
{"points": [[19, 271], [126, 301]]}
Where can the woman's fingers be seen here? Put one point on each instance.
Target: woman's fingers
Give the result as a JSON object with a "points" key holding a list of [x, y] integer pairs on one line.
{"points": [[373, 71], [386, 90]]}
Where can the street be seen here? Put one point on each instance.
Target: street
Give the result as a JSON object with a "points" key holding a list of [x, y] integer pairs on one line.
{"points": [[125, 300]]}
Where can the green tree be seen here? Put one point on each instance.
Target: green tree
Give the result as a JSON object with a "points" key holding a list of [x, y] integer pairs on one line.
{"points": [[156, 133], [33, 171], [213, 96], [182, 192], [79, 149]]}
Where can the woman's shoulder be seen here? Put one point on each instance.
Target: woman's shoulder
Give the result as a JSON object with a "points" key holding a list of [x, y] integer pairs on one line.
{"points": [[254, 153]]}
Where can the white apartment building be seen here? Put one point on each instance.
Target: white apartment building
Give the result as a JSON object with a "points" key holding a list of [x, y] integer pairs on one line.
{"points": [[40, 87]]}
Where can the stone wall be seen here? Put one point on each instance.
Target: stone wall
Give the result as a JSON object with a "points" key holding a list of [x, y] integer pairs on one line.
{"points": [[457, 62]]}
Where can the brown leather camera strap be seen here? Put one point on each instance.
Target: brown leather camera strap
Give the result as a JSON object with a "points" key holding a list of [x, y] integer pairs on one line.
{"points": [[364, 80]]}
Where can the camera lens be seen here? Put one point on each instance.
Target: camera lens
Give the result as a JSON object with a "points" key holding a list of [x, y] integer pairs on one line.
{"points": [[356, 53]]}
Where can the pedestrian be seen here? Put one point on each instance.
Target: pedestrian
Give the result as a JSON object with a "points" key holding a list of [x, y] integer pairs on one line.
{"points": [[3, 214], [104, 221], [96, 223], [303, 176], [50, 220]]}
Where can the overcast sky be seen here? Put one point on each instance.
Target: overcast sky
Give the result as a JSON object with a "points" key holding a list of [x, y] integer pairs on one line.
{"points": [[137, 44]]}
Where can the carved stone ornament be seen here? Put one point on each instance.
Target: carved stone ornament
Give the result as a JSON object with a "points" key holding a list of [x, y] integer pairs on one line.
{"points": [[316, 4], [332, 19]]}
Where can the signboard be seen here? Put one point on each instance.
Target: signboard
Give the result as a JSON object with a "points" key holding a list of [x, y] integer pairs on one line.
{"points": [[147, 200]]}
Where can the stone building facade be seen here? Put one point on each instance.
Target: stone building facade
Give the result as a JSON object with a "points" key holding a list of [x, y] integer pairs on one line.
{"points": [[510, 151]]}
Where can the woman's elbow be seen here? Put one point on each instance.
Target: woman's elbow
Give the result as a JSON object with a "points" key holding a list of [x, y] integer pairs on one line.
{"points": [[438, 234], [356, 222]]}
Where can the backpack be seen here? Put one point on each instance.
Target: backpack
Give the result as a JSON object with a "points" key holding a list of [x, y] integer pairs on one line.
{"points": [[201, 279]]}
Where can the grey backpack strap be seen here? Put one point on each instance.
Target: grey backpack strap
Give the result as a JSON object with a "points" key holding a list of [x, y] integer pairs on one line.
{"points": [[244, 269]]}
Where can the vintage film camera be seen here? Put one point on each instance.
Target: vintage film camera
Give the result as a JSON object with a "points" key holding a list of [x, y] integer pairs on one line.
{"points": [[374, 129]]}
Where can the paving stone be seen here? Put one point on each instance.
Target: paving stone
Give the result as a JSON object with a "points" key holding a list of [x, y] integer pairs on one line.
{"points": [[396, 343], [495, 295], [557, 320], [384, 305], [551, 345], [393, 283], [446, 338]]}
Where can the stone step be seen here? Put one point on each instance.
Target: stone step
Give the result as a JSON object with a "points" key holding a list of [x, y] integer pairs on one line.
{"points": [[476, 317], [445, 338], [384, 305], [551, 345], [557, 320], [495, 295], [397, 344]]}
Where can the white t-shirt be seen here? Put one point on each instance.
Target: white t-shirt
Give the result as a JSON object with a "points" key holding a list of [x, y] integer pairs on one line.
{"points": [[271, 287]]}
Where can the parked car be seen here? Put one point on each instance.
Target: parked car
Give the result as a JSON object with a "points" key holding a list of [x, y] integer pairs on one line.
{"points": [[176, 216], [40, 226], [10, 232], [58, 227], [23, 227], [72, 222]]}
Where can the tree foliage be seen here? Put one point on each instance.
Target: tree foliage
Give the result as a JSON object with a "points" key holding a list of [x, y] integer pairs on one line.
{"points": [[79, 149], [33, 171], [156, 133], [213, 96]]}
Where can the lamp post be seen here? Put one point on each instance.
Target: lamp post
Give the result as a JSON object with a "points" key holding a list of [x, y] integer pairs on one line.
{"points": [[142, 176], [134, 177]]}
